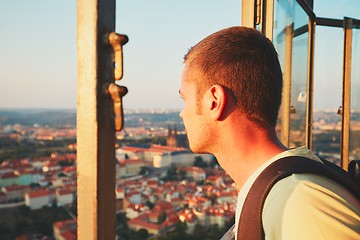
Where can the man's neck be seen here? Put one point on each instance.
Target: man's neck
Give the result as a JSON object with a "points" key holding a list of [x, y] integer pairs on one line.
{"points": [[243, 151]]}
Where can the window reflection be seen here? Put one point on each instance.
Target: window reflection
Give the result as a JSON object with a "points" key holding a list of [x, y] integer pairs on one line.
{"points": [[291, 41], [354, 148]]}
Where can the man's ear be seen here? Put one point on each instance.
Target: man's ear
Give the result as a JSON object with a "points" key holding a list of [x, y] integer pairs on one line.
{"points": [[216, 101]]}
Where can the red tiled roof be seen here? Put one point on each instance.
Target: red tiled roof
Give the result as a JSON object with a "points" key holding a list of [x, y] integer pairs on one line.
{"points": [[136, 207], [194, 169], [64, 224], [16, 163], [187, 215], [142, 221], [212, 178], [16, 188], [167, 148], [129, 194], [52, 164], [135, 161], [24, 171], [163, 206], [154, 148], [8, 175], [69, 235], [176, 200], [153, 183], [133, 149], [41, 159], [6, 168], [227, 194], [154, 214], [70, 169], [39, 193], [64, 191]]}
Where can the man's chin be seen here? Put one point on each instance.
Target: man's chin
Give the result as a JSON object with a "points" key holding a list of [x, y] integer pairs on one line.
{"points": [[198, 150]]}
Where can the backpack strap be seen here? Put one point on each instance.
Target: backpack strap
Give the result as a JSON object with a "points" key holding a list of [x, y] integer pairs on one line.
{"points": [[354, 171], [250, 223]]}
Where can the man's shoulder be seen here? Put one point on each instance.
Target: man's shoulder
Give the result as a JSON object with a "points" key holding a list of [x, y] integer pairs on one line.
{"points": [[312, 188], [312, 200], [299, 186], [298, 189]]}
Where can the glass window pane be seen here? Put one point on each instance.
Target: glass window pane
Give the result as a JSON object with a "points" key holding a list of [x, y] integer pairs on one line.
{"points": [[291, 42], [354, 148], [328, 92], [298, 91]]}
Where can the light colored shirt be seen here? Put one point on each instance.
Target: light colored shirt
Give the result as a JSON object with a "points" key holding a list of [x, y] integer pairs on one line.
{"points": [[305, 206]]}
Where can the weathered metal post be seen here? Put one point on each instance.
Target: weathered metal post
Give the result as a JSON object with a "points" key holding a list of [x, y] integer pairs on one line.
{"points": [[95, 121], [346, 98]]}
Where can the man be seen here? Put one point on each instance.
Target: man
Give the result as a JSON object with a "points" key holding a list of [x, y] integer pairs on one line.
{"points": [[231, 87]]}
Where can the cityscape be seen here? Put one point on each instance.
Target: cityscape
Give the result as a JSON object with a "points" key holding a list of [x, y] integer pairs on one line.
{"points": [[163, 190]]}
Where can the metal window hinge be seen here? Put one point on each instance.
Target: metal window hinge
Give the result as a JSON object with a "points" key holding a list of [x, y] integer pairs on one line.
{"points": [[115, 91], [258, 7]]}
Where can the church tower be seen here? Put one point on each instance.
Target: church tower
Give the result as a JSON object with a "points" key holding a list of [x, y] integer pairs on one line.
{"points": [[171, 140]]}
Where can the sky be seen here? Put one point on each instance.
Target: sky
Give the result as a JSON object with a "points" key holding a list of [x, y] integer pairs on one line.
{"points": [[38, 65]]}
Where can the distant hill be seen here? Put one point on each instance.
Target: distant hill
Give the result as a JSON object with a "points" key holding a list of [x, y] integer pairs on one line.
{"points": [[59, 117], [38, 116], [144, 119]]}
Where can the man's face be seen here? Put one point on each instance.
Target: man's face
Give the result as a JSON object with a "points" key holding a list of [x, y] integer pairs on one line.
{"points": [[193, 120]]}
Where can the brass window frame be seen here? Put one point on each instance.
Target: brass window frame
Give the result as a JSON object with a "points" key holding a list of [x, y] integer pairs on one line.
{"points": [[263, 20], [249, 11]]}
